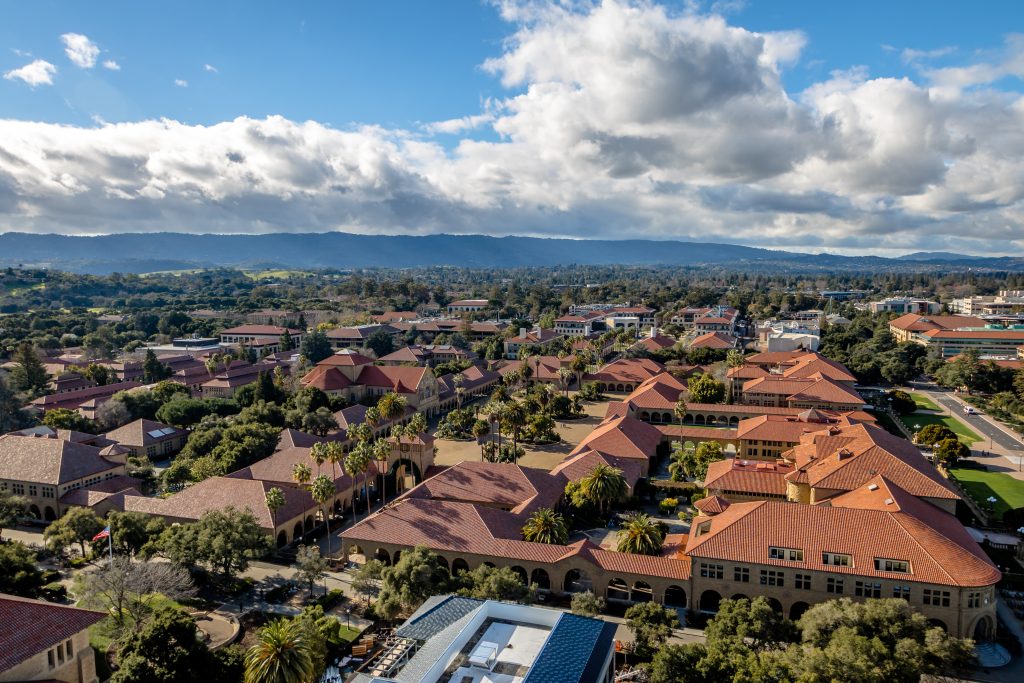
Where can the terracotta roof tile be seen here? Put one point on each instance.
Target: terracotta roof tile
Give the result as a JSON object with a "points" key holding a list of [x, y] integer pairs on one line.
{"points": [[34, 626]]}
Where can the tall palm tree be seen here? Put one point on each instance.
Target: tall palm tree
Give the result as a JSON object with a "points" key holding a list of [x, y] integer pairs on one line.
{"points": [[357, 463], [578, 365], [322, 490], [546, 526], [457, 381], [417, 426], [680, 411], [515, 417], [481, 429], [565, 376], [335, 455], [302, 473], [319, 454], [603, 485], [282, 654], [391, 407], [380, 451], [641, 535], [275, 501]]}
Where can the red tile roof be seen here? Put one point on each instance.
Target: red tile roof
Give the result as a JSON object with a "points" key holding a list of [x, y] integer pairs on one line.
{"points": [[714, 340], [631, 370], [912, 322], [751, 477], [259, 330], [503, 485], [624, 437], [34, 626], [49, 460]]}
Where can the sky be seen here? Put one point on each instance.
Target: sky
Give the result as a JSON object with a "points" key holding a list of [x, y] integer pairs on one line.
{"points": [[869, 127]]}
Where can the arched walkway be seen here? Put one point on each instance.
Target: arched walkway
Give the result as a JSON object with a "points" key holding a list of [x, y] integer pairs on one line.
{"points": [[444, 563], [576, 581], [797, 610], [282, 539], [382, 555], [459, 566], [775, 605], [540, 578], [521, 573], [297, 531], [49, 515], [740, 596], [642, 592], [308, 525], [709, 601], [984, 629], [939, 623], [396, 556], [675, 596], [34, 513], [618, 590]]}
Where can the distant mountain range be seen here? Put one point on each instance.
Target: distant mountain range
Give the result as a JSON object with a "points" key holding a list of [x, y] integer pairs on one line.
{"points": [[149, 252]]}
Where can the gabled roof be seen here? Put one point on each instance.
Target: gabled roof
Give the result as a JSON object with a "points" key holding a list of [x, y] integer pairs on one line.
{"points": [[403, 380], [712, 505], [503, 485], [844, 457], [345, 358], [578, 466], [624, 437], [937, 554], [49, 460], [748, 476], [913, 322], [815, 364], [632, 370], [660, 392], [326, 378], [265, 330], [33, 626], [713, 340], [144, 432]]}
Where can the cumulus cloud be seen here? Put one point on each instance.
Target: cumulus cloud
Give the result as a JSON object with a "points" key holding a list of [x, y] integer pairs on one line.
{"points": [[622, 120], [181, 82], [211, 68], [80, 50], [111, 65], [37, 72]]}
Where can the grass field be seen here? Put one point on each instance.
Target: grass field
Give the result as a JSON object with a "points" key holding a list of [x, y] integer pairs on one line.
{"points": [[920, 419], [1008, 492], [923, 402]]}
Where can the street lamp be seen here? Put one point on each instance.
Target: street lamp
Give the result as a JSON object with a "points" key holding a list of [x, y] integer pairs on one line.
{"points": [[348, 613], [991, 500]]}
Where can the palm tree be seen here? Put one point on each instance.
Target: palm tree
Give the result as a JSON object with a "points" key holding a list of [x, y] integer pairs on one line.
{"points": [[302, 473], [603, 485], [380, 451], [546, 526], [515, 417], [335, 454], [680, 411], [457, 381], [319, 454], [417, 425], [481, 429], [391, 407], [641, 535], [496, 411], [322, 490], [565, 376], [578, 365], [275, 501], [358, 462], [282, 654]]}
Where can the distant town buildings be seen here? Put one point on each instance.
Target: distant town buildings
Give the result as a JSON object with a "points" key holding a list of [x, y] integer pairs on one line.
{"points": [[904, 304], [951, 335]]}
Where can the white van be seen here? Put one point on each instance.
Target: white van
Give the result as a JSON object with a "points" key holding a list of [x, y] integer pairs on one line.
{"points": [[969, 410]]}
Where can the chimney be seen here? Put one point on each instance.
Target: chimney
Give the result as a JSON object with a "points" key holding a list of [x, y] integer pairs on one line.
{"points": [[522, 331], [653, 333]]}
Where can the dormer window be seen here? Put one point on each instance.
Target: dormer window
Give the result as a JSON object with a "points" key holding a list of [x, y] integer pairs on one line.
{"points": [[883, 564], [703, 528], [788, 554], [836, 560]]}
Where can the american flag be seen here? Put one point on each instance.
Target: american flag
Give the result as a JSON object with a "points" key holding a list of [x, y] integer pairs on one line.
{"points": [[103, 534]]}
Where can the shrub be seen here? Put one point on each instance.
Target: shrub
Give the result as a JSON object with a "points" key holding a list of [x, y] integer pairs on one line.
{"points": [[332, 598], [668, 504], [54, 592]]}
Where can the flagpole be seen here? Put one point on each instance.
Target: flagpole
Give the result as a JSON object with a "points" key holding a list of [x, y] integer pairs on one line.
{"points": [[110, 545]]}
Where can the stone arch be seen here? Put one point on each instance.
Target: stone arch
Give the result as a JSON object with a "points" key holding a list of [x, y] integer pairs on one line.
{"points": [[576, 581], [666, 418], [709, 601], [938, 623], [984, 629], [642, 592], [540, 578], [687, 419], [382, 555], [775, 605], [49, 515], [297, 531], [521, 573], [444, 563], [723, 420], [282, 539], [34, 513], [734, 420], [459, 566], [675, 596], [491, 565], [618, 590], [797, 610], [339, 508], [620, 387], [394, 558], [308, 525], [645, 416], [740, 596], [699, 420]]}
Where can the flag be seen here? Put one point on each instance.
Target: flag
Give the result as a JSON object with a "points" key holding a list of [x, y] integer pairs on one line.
{"points": [[103, 534]]}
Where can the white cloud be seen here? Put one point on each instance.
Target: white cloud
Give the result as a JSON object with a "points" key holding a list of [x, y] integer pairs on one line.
{"points": [[80, 50], [624, 120], [211, 68], [111, 65], [181, 82], [38, 72], [910, 55]]}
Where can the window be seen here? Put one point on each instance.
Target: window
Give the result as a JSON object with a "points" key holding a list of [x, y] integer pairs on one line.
{"points": [[901, 592], [771, 577], [741, 574], [935, 597], [703, 528], [33, 490], [834, 586], [973, 600], [836, 560], [60, 655], [49, 659], [19, 489], [791, 554], [711, 571], [67, 648], [803, 581], [886, 565], [865, 589]]}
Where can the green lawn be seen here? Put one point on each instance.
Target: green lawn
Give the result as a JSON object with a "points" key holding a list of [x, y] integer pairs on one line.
{"points": [[888, 424], [920, 419], [923, 402], [1008, 492]]}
